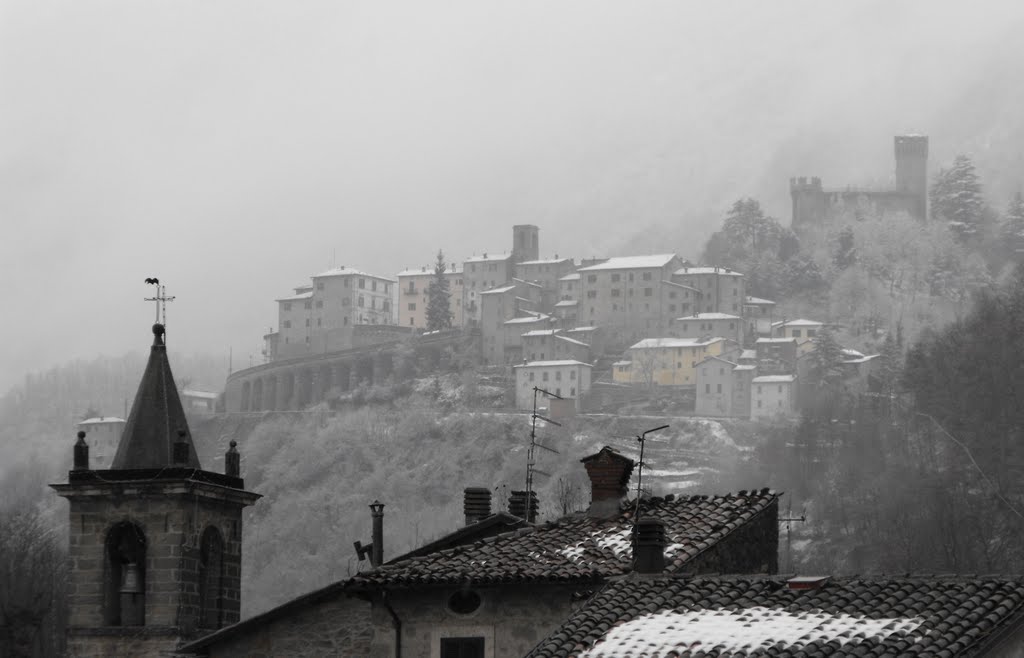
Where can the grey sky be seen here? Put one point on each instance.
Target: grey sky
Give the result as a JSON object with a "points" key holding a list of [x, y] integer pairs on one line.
{"points": [[233, 147]]}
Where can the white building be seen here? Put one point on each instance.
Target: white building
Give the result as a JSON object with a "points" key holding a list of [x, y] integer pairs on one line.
{"points": [[568, 379], [102, 434], [772, 395]]}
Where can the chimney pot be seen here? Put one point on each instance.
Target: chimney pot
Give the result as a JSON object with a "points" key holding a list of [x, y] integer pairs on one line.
{"points": [[517, 505], [609, 474], [377, 551], [649, 546], [476, 504]]}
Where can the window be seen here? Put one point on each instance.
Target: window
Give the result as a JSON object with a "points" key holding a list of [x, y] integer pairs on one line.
{"points": [[719, 388], [572, 374], [721, 371], [287, 324], [211, 579], [462, 647], [319, 322], [125, 556], [558, 376], [671, 308], [346, 281], [591, 278], [795, 333], [591, 294], [572, 391], [780, 388], [412, 306], [319, 285], [373, 286], [759, 403], [544, 376], [286, 306], [732, 325], [616, 292], [345, 321], [362, 284], [558, 391], [386, 305], [630, 276], [360, 301], [707, 388], [346, 302], [320, 303], [616, 277], [811, 333], [647, 276], [759, 392], [411, 322]]}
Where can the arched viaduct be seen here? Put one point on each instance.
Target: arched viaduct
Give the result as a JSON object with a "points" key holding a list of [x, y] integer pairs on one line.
{"points": [[294, 384]]}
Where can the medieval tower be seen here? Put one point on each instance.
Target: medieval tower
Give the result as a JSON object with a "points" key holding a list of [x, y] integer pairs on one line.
{"points": [[525, 243], [155, 541]]}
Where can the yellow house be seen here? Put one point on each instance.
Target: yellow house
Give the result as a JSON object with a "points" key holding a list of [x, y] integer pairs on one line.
{"points": [[666, 361], [804, 331]]}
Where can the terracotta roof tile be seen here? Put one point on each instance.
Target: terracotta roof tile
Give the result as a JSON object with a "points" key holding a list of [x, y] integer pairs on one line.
{"points": [[747, 616], [579, 548]]}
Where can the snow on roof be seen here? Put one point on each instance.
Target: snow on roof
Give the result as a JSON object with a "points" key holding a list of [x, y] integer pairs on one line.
{"points": [[499, 289], [347, 271], [101, 420], [567, 302], [748, 354], [707, 270], [744, 631], [552, 364], [532, 318], [623, 363], [861, 359], [541, 332], [757, 301], [295, 298], [544, 261], [575, 276], [572, 340], [799, 322], [581, 329], [488, 257], [709, 316], [631, 262], [853, 354], [195, 393], [773, 379], [649, 343], [775, 340], [745, 367]]}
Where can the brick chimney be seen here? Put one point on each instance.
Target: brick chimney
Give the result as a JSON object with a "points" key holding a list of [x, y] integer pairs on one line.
{"points": [[476, 504], [649, 546], [609, 474]]}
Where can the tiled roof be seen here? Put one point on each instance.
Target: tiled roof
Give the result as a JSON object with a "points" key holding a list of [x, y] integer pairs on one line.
{"points": [[552, 364], [709, 316], [744, 616], [773, 379], [348, 271], [707, 270], [579, 548], [654, 343], [631, 262]]}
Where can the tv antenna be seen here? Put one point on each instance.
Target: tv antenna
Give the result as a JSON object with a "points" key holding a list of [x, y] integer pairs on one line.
{"points": [[642, 438], [160, 300], [789, 519], [531, 453]]}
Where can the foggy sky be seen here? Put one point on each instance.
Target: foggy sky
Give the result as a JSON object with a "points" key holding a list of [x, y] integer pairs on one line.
{"points": [[234, 148]]}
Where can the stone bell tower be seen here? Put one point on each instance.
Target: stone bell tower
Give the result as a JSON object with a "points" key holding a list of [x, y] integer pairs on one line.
{"points": [[155, 541]]}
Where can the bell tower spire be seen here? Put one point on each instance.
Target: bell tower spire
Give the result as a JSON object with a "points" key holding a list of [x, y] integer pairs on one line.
{"points": [[155, 542]]}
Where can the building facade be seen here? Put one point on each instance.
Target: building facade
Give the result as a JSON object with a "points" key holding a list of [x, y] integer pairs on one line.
{"points": [[723, 388], [720, 290], [413, 286], [103, 434], [566, 378], [667, 361], [773, 395], [709, 324], [479, 274]]}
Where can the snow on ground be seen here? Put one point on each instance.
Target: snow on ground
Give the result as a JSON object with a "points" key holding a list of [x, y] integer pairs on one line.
{"points": [[747, 629]]}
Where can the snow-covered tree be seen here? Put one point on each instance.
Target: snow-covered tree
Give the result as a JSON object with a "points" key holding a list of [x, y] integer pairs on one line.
{"points": [[956, 199], [1011, 231], [439, 310]]}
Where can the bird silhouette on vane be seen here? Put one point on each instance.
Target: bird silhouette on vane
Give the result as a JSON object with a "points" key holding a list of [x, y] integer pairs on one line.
{"points": [[153, 280]]}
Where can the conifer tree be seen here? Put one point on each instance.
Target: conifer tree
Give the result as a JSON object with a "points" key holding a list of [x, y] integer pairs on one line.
{"points": [[439, 312], [1012, 229], [956, 198], [828, 358]]}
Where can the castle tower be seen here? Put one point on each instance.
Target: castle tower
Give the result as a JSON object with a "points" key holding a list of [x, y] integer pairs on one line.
{"points": [[912, 169], [808, 201], [525, 243], [155, 541]]}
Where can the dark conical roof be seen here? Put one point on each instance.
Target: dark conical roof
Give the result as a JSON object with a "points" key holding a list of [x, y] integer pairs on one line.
{"points": [[157, 419]]}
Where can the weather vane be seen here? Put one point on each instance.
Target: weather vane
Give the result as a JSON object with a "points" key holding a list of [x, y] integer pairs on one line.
{"points": [[160, 299]]}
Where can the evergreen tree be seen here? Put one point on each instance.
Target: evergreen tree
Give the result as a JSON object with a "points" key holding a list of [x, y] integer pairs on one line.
{"points": [[956, 198], [439, 312], [1011, 231], [827, 359], [845, 252]]}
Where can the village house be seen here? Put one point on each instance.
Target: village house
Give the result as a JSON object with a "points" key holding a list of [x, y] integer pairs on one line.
{"points": [[543, 344], [569, 287], [566, 378], [412, 295], [197, 401], [773, 395], [803, 331], [546, 273], [720, 289], [496, 306], [708, 324], [723, 388], [655, 614], [776, 356], [103, 434], [320, 317], [667, 361], [759, 315], [512, 334], [481, 273], [627, 296]]}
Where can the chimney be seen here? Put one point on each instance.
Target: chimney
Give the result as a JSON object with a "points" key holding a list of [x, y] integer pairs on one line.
{"points": [[609, 479], [377, 514], [476, 504], [517, 505], [649, 546], [81, 453]]}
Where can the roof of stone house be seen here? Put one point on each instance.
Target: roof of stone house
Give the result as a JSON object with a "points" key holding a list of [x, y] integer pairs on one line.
{"points": [[575, 276], [631, 262], [540, 317], [567, 302], [709, 316], [497, 290], [553, 364], [157, 420], [774, 340], [767, 616], [655, 343], [773, 379], [299, 296], [707, 270], [758, 301], [573, 341], [348, 271], [545, 261], [579, 548], [488, 257], [799, 322]]}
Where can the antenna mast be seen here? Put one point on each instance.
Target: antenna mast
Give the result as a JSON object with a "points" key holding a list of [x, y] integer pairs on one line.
{"points": [[160, 301], [642, 438], [531, 453]]}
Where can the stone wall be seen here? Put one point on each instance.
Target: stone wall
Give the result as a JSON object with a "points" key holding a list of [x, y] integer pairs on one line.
{"points": [[512, 619], [339, 627]]}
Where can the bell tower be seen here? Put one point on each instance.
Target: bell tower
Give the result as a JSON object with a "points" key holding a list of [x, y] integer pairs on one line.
{"points": [[155, 541]]}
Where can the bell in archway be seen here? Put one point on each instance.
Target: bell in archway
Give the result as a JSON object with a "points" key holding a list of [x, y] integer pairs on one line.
{"points": [[131, 583]]}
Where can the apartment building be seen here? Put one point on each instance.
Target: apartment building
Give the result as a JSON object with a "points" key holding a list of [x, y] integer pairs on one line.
{"points": [[708, 324], [723, 388], [667, 361], [481, 273], [773, 395], [720, 289], [553, 344], [412, 295], [566, 378]]}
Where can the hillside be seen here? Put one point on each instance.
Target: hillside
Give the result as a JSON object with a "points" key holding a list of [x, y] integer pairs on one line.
{"points": [[319, 472]]}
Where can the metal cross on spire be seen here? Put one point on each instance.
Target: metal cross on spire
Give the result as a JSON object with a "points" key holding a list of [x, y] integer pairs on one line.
{"points": [[160, 299]]}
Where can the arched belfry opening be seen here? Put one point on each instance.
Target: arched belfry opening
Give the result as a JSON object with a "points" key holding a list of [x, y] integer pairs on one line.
{"points": [[124, 600], [211, 579]]}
